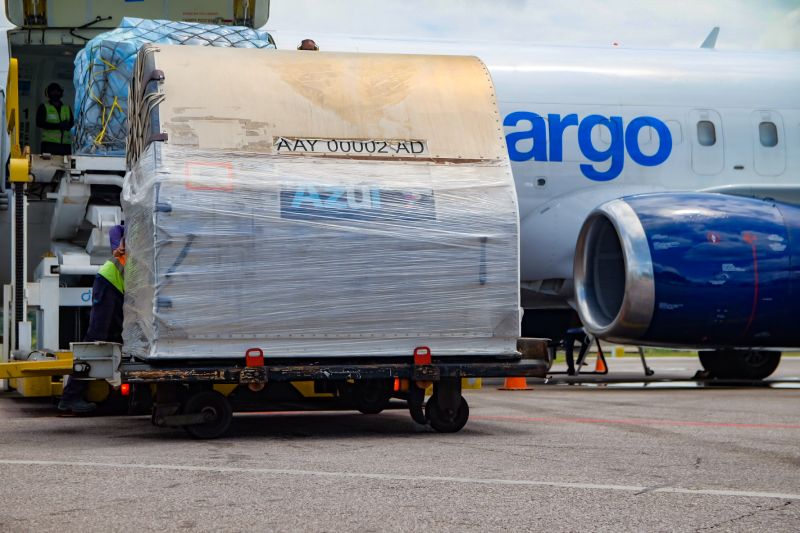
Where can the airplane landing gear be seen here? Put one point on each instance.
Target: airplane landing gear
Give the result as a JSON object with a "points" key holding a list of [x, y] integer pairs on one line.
{"points": [[740, 364]]}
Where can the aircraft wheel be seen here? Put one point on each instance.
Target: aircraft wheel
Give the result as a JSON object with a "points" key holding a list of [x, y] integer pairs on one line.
{"points": [[740, 364]]}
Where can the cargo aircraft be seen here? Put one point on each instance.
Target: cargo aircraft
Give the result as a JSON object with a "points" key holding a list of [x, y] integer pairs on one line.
{"points": [[657, 189]]}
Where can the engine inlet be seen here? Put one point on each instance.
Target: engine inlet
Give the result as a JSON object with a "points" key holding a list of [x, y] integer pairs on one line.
{"points": [[613, 273]]}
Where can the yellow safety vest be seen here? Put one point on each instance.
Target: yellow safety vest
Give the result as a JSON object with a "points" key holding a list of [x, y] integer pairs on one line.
{"points": [[56, 117], [114, 272]]}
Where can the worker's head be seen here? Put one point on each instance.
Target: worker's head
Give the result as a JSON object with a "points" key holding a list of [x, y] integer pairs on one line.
{"points": [[308, 44], [116, 236], [54, 91]]}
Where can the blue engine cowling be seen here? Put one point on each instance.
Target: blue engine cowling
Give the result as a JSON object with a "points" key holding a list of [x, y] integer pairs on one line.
{"points": [[696, 269]]}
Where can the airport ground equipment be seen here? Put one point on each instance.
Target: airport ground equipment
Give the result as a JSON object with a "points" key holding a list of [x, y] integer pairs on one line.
{"points": [[62, 207], [201, 396], [357, 222], [340, 224], [78, 197]]}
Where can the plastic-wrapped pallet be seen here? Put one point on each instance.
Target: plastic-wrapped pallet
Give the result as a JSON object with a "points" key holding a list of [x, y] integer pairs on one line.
{"points": [[344, 214], [104, 68]]}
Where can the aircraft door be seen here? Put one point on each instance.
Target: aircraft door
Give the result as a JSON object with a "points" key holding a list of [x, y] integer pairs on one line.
{"points": [[708, 153], [769, 146]]}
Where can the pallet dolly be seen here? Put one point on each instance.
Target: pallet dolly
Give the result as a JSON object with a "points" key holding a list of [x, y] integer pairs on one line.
{"points": [[186, 392], [185, 395]]}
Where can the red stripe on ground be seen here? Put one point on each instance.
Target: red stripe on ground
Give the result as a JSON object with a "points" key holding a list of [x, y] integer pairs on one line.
{"points": [[558, 420], [635, 422]]}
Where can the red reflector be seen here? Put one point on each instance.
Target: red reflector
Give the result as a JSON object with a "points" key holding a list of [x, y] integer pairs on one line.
{"points": [[125, 389], [396, 387], [422, 355], [254, 357]]}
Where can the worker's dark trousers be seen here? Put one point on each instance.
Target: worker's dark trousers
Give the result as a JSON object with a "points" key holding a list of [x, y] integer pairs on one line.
{"points": [[74, 390]]}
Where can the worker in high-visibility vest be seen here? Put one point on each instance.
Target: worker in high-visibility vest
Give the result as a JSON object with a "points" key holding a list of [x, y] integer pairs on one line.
{"points": [[105, 318], [54, 119]]}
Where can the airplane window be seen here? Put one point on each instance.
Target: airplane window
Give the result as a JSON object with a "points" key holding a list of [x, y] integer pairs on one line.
{"points": [[706, 133], [768, 134]]}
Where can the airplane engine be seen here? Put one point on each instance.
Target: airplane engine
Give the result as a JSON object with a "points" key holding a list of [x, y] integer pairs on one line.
{"points": [[698, 269]]}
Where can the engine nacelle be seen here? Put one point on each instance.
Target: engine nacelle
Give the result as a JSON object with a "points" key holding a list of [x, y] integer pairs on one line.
{"points": [[698, 269]]}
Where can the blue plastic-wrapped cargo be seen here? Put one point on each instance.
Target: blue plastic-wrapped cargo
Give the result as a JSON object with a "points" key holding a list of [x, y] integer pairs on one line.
{"points": [[103, 70]]}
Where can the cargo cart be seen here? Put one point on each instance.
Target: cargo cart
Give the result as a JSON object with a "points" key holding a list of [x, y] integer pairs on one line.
{"points": [[366, 240], [189, 395]]}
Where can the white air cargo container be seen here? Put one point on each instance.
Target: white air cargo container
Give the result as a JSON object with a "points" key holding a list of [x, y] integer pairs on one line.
{"points": [[317, 205]]}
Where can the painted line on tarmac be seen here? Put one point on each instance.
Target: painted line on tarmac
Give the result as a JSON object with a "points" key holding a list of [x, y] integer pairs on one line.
{"points": [[636, 422], [400, 477]]}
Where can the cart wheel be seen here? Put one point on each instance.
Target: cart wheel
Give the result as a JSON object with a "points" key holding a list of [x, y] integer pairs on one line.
{"points": [[446, 420], [217, 412], [372, 396]]}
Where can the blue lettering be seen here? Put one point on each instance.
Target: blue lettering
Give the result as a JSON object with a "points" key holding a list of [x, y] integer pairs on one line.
{"points": [[556, 130], [537, 134], [632, 141], [622, 138], [359, 199], [333, 198], [615, 151], [356, 203], [306, 194]]}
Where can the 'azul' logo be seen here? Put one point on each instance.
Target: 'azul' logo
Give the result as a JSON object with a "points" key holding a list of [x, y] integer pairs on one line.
{"points": [[622, 138], [312, 202]]}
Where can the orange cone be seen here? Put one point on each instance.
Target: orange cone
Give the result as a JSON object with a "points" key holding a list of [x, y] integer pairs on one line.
{"points": [[600, 365], [515, 384]]}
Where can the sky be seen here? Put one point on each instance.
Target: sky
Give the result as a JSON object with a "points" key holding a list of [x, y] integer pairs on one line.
{"points": [[745, 24]]}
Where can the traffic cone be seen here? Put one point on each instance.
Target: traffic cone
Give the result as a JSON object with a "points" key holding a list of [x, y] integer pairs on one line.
{"points": [[515, 384], [600, 364]]}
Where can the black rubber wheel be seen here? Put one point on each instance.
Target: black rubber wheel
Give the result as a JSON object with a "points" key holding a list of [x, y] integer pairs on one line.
{"points": [[140, 401], [740, 364], [446, 420], [372, 396], [217, 410], [552, 353]]}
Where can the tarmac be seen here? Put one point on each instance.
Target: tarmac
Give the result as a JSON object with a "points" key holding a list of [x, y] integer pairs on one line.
{"points": [[619, 457]]}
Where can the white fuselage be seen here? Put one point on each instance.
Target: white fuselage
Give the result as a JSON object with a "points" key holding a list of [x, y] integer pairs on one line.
{"points": [[658, 120], [576, 126]]}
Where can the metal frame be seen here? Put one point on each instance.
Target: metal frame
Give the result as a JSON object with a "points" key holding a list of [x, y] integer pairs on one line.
{"points": [[205, 413], [136, 373], [58, 366]]}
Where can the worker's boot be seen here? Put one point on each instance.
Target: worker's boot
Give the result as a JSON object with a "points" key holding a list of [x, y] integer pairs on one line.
{"points": [[77, 406]]}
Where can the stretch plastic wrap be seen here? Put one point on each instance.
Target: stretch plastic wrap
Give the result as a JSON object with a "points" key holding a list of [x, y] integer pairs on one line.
{"points": [[103, 71], [316, 257]]}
